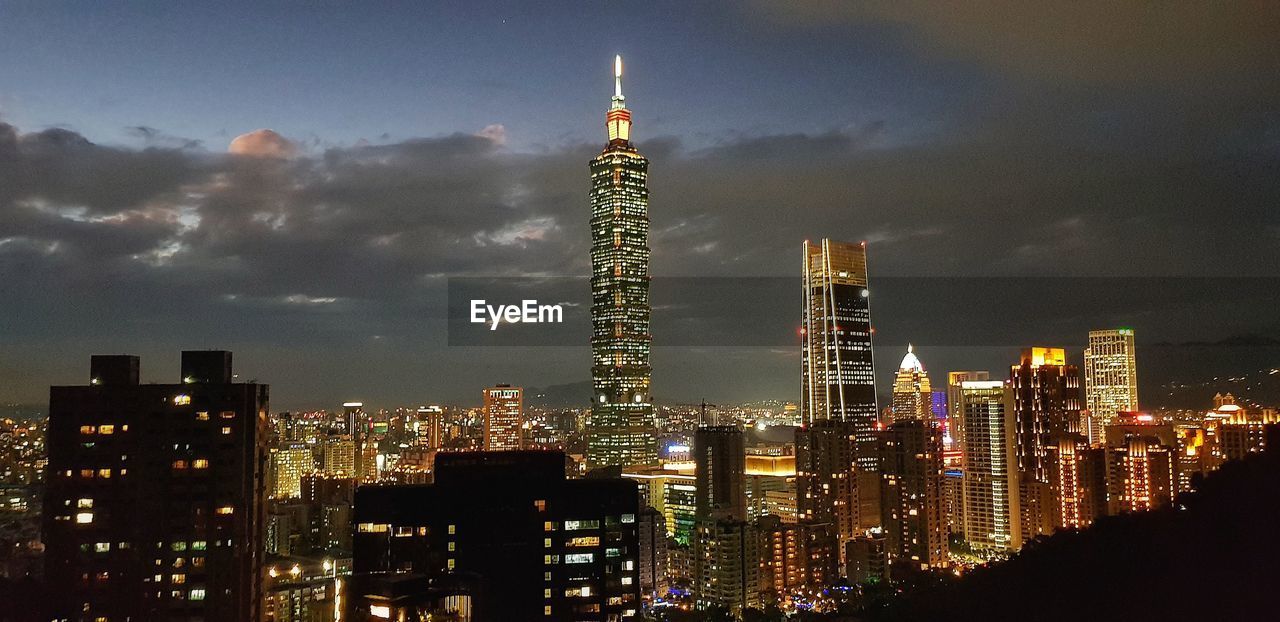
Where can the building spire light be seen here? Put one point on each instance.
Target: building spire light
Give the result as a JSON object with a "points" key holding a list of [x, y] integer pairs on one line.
{"points": [[617, 76]]}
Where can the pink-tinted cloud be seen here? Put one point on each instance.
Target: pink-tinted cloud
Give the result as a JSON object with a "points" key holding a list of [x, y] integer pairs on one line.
{"points": [[263, 143]]}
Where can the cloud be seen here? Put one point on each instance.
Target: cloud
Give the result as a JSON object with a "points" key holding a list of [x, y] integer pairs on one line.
{"points": [[262, 143], [1180, 41]]}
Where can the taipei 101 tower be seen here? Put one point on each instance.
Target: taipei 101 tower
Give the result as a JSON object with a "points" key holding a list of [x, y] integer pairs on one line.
{"points": [[621, 431]]}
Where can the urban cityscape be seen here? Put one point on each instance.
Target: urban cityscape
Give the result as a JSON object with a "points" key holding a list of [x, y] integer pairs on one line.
{"points": [[912, 481]]}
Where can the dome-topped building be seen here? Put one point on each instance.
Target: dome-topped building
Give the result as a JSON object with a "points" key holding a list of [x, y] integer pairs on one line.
{"points": [[911, 389]]}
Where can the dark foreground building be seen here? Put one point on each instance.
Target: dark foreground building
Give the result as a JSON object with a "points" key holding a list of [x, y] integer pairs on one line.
{"points": [[154, 504], [499, 536]]}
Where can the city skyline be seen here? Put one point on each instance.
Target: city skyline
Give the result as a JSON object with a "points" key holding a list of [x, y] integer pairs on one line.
{"points": [[332, 233]]}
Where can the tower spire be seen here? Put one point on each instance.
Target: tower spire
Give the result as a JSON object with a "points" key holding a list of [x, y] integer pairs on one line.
{"points": [[618, 119]]}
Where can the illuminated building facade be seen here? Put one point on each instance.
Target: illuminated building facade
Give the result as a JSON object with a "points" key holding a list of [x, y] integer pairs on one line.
{"points": [[911, 487], [154, 507], [288, 464], [912, 394], [837, 389], [537, 545], [1077, 480], [1142, 463], [726, 565], [339, 456], [955, 405], [797, 556], [503, 418], [1110, 378], [621, 432], [1046, 394], [991, 511]]}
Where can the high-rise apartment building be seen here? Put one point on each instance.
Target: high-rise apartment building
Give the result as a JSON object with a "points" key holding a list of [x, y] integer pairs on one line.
{"points": [[531, 544], [1142, 463], [912, 393], [720, 455], [1046, 393], [1110, 378], [912, 492], [1077, 481], [826, 477], [991, 512], [837, 382], [621, 431], [503, 418], [289, 463], [154, 508], [954, 404]]}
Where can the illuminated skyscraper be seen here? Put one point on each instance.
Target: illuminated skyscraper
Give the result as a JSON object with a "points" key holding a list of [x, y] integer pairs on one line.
{"points": [[912, 395], [622, 425], [503, 418], [954, 405], [1110, 378], [1046, 395], [991, 512], [837, 390]]}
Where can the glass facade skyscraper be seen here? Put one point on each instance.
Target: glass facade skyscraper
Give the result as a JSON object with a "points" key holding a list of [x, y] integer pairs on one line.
{"points": [[621, 432]]}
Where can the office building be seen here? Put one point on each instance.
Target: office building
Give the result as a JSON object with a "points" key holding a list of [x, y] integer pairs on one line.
{"points": [[991, 512], [338, 455], [155, 502], [535, 545], [503, 418], [1110, 378], [288, 464], [622, 429], [912, 393]]}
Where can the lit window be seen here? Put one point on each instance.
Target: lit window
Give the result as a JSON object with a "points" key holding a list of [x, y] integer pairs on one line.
{"points": [[200, 463], [86, 473], [628, 518], [226, 509], [453, 546], [626, 580], [451, 564], [226, 429], [104, 473], [87, 429], [202, 415], [178, 546], [178, 579], [197, 593], [199, 545], [107, 429], [84, 517], [579, 558], [548, 526], [380, 611], [84, 503], [227, 414], [453, 529], [102, 547], [181, 400], [546, 610]]}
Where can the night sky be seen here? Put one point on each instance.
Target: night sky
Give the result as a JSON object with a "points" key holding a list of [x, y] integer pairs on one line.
{"points": [[297, 182]]}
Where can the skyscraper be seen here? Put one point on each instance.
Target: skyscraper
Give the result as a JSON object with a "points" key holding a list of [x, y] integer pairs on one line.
{"points": [[1046, 395], [622, 425], [991, 512], [912, 395], [954, 404], [721, 459], [837, 386], [912, 493], [155, 504], [1110, 378], [503, 418], [1142, 463]]}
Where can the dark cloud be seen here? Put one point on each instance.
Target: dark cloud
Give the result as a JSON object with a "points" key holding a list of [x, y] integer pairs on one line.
{"points": [[326, 268]]}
